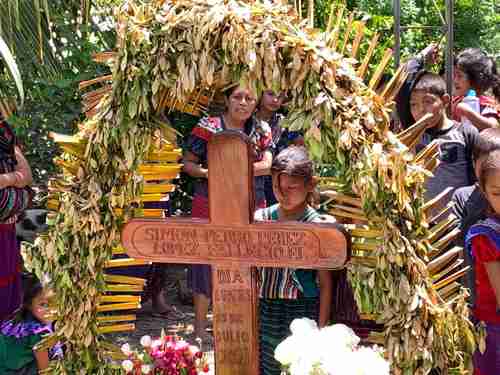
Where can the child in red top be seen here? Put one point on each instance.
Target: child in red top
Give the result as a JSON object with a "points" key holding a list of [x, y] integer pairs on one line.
{"points": [[483, 240], [476, 70]]}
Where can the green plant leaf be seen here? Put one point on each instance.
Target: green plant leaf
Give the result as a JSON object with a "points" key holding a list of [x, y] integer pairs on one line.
{"points": [[10, 62]]}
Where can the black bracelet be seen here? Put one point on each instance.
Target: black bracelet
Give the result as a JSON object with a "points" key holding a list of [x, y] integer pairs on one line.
{"points": [[498, 310]]}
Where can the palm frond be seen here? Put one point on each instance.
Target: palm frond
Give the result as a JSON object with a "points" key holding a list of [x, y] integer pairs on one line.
{"points": [[25, 28], [11, 65]]}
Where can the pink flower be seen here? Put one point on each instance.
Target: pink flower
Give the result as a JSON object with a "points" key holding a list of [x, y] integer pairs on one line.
{"points": [[170, 355]]}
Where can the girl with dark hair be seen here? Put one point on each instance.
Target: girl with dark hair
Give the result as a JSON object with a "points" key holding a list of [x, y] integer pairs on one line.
{"points": [[267, 110], [475, 70], [286, 293], [15, 176], [26, 328], [269, 105], [239, 115], [483, 243]]}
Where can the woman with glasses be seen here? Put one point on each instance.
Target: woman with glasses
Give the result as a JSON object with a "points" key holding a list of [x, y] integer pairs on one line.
{"points": [[239, 115]]}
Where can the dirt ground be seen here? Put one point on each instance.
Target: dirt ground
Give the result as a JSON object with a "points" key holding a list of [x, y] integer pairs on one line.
{"points": [[149, 324]]}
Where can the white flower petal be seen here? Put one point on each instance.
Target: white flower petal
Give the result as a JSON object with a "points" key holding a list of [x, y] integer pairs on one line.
{"points": [[128, 365], [146, 341], [126, 349]]}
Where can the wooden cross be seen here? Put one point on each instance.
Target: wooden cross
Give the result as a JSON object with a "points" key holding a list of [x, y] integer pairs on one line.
{"points": [[232, 243]]}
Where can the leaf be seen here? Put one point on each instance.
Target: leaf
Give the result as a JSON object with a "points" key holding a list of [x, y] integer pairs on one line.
{"points": [[132, 108], [13, 69], [404, 288]]}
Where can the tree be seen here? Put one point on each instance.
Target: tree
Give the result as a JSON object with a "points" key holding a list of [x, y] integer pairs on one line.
{"points": [[477, 22], [11, 65], [52, 58]]}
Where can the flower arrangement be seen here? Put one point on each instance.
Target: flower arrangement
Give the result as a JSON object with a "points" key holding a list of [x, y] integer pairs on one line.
{"points": [[167, 355], [333, 350]]}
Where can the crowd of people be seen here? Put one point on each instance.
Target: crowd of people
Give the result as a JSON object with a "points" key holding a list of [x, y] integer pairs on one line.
{"points": [[469, 153]]}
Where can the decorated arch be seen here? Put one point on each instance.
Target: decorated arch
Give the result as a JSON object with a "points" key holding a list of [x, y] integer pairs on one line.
{"points": [[181, 55]]}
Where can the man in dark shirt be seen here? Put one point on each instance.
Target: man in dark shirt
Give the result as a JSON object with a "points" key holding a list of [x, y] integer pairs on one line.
{"points": [[414, 66], [455, 141], [469, 203]]}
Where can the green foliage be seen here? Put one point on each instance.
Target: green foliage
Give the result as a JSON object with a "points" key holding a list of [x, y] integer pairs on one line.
{"points": [[12, 68], [181, 198], [477, 22], [53, 101]]}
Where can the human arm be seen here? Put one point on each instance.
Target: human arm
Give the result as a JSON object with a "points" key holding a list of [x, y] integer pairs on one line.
{"points": [[477, 119], [22, 170], [42, 359], [325, 296], [21, 176], [263, 167], [193, 167], [413, 67]]}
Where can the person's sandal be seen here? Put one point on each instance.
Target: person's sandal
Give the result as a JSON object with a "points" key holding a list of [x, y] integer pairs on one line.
{"points": [[172, 314]]}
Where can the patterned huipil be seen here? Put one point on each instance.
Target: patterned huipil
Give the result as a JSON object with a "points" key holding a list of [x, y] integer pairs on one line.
{"points": [[260, 136], [12, 200], [17, 340]]}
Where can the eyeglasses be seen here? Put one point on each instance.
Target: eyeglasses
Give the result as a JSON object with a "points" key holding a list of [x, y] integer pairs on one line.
{"points": [[241, 98]]}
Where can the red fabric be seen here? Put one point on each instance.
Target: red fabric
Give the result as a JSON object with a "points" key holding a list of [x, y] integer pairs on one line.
{"points": [[202, 133], [6, 280], [484, 101], [484, 251], [200, 207], [261, 204], [207, 127]]}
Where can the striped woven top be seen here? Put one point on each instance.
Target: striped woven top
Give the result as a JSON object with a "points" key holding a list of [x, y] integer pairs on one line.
{"points": [[13, 200], [288, 283]]}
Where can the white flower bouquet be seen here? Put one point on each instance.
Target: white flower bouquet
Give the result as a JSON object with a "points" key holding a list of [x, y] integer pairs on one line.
{"points": [[333, 350]]}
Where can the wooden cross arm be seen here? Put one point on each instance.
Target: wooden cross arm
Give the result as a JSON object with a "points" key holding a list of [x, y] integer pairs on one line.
{"points": [[294, 245]]}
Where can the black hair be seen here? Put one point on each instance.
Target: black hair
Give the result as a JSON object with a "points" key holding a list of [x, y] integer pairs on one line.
{"points": [[32, 287], [481, 70], [384, 80], [294, 161], [487, 168], [228, 91], [251, 122], [431, 83], [488, 141]]}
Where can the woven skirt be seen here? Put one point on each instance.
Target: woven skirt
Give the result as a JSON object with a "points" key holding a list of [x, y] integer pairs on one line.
{"points": [[275, 316], [489, 362], [10, 271], [199, 276]]}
